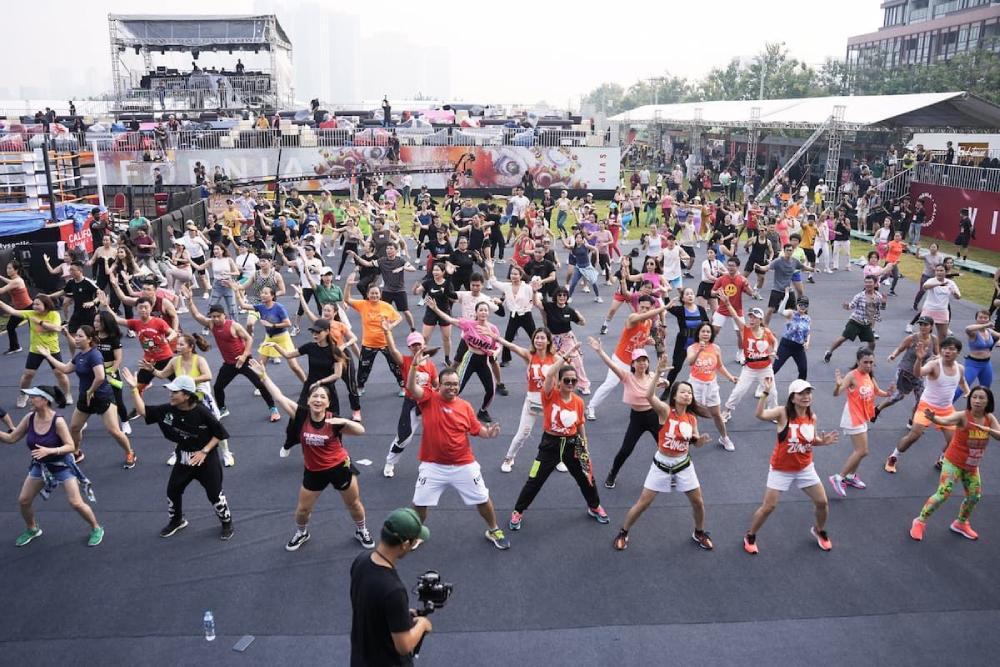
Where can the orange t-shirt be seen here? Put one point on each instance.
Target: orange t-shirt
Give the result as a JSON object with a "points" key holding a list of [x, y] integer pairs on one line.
{"points": [[372, 314], [338, 331], [968, 445], [757, 350], [633, 338], [562, 418], [893, 251], [793, 451], [537, 368], [706, 363], [860, 407], [675, 434]]}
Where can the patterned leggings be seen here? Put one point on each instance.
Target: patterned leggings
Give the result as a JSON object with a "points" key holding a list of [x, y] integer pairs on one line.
{"points": [[950, 473]]}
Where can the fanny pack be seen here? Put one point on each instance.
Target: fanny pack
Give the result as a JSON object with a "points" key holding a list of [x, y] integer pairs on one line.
{"points": [[672, 470]]}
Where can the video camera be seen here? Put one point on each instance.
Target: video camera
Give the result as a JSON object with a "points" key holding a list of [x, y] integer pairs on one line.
{"points": [[432, 592]]}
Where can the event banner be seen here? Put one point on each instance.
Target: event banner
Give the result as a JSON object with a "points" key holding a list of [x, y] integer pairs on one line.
{"points": [[943, 205], [489, 168]]}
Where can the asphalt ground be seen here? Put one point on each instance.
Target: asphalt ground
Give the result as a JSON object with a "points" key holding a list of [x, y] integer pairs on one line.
{"points": [[561, 594]]}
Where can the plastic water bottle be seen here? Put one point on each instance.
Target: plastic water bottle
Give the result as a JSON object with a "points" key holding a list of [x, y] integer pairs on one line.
{"points": [[209, 623]]}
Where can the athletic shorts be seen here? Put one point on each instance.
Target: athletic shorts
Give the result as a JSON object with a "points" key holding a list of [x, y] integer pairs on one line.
{"points": [[855, 330], [283, 340], [34, 360], [145, 377], [434, 478], [705, 291], [781, 480], [432, 319], [907, 382], [677, 282], [252, 316], [659, 481], [776, 299], [397, 299], [706, 393], [796, 276], [920, 420], [719, 320], [339, 477], [98, 406]]}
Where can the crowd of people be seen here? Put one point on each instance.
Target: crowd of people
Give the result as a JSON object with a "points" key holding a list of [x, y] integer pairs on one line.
{"points": [[693, 270]]}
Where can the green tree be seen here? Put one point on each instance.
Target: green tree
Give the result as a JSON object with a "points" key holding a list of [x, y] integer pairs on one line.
{"points": [[607, 96]]}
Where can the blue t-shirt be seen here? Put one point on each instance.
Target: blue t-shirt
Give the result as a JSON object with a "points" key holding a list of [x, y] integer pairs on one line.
{"points": [[83, 364], [276, 313]]}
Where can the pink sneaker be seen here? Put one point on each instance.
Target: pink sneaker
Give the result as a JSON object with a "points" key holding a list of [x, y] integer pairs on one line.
{"points": [[917, 529], [964, 528]]}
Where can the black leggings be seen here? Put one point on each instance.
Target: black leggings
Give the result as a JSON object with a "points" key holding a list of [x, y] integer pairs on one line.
{"points": [[515, 323], [789, 348], [497, 245], [409, 415], [639, 422], [209, 475], [350, 245], [368, 355], [479, 364], [551, 450], [12, 323], [307, 295], [680, 356], [227, 374], [351, 382]]}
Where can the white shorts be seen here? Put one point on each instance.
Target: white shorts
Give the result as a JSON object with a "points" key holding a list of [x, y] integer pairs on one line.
{"points": [[706, 393], [659, 481], [848, 427], [780, 480], [434, 478], [718, 320]]}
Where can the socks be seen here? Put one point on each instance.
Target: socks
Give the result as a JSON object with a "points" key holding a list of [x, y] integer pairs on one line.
{"points": [[361, 525], [896, 453], [301, 529]]}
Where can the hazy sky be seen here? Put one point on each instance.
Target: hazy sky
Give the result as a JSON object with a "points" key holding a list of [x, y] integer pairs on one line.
{"points": [[499, 52]]}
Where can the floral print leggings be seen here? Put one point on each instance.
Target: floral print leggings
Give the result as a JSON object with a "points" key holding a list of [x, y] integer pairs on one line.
{"points": [[950, 473]]}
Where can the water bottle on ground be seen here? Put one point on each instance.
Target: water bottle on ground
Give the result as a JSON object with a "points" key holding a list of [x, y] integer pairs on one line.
{"points": [[209, 626]]}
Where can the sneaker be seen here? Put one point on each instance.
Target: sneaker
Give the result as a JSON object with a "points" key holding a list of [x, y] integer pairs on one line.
{"points": [[256, 392], [507, 465], [130, 333], [875, 415], [182, 310], [228, 460], [498, 539], [855, 481], [298, 539], [821, 538], [591, 416], [504, 364], [400, 393], [561, 467], [604, 329], [130, 460], [964, 528], [837, 482], [704, 539], [283, 452], [917, 529], [621, 540], [276, 361], [502, 389], [356, 415], [274, 415], [13, 350], [610, 481], [940, 460], [827, 356], [226, 531], [389, 470], [27, 536], [126, 428], [750, 544], [223, 413], [484, 416], [295, 331], [362, 535], [96, 537], [515, 521], [598, 514], [22, 399], [890, 465], [598, 299], [173, 526], [876, 336], [172, 460], [203, 296], [909, 328], [584, 391], [727, 443]]}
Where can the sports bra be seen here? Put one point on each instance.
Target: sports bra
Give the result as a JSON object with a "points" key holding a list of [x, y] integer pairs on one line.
{"points": [[979, 343]]}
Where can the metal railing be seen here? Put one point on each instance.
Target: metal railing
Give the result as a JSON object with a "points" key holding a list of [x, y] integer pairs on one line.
{"points": [[896, 187], [955, 176], [297, 135], [942, 9]]}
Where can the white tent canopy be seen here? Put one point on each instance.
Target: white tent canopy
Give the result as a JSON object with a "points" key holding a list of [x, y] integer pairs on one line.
{"points": [[955, 109]]}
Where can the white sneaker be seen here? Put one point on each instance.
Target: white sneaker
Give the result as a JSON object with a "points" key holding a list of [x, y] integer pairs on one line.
{"points": [[69, 400], [182, 310], [727, 443], [909, 328], [228, 460], [256, 392], [561, 467], [205, 296], [598, 300], [130, 333], [172, 460], [389, 470], [126, 428], [507, 465], [590, 415], [283, 453]]}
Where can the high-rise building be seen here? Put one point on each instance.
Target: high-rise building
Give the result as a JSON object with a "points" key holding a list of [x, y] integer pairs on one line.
{"points": [[923, 32]]}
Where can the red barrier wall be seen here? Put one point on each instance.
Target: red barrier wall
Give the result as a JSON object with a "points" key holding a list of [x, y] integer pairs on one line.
{"points": [[943, 204]]}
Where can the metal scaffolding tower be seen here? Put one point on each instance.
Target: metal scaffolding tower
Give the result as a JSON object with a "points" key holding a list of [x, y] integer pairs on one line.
{"points": [[832, 175], [753, 135], [766, 190], [694, 142]]}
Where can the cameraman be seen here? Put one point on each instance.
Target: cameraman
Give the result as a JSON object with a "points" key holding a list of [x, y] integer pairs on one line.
{"points": [[384, 630]]}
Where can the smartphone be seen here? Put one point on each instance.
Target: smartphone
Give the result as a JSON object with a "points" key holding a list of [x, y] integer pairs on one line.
{"points": [[243, 643]]}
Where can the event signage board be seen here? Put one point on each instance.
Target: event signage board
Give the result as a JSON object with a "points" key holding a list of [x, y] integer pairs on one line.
{"points": [[943, 204]]}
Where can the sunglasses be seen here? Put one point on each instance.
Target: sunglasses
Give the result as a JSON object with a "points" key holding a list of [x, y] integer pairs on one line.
{"points": [[569, 381]]}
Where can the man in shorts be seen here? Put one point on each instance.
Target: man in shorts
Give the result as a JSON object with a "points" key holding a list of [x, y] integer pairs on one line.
{"points": [[784, 267], [866, 310], [446, 458], [733, 285], [941, 375]]}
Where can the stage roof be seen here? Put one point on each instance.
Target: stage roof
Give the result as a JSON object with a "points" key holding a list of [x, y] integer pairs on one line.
{"points": [[923, 110], [181, 32]]}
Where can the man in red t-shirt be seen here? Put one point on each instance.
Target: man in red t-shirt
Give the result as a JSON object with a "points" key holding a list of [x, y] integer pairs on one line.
{"points": [[446, 458], [153, 334], [733, 285], [564, 440]]}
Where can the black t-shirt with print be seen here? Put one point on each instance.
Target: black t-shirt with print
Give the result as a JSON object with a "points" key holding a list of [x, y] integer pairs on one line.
{"points": [[320, 361], [190, 429], [558, 319]]}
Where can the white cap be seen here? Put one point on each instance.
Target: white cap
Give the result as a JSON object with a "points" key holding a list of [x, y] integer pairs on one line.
{"points": [[798, 386]]}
